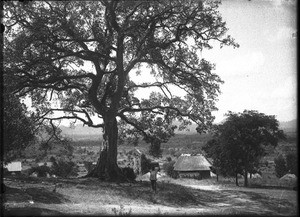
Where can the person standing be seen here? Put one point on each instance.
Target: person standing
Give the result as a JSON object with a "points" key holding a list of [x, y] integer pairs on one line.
{"points": [[153, 178]]}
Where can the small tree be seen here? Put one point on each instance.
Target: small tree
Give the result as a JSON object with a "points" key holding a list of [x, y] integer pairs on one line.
{"points": [[292, 163], [240, 142], [168, 167], [280, 166]]}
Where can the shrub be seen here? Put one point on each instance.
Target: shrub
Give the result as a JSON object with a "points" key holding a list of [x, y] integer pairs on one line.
{"points": [[169, 168], [41, 171], [155, 149], [280, 166], [292, 163], [89, 165], [64, 168], [169, 159], [52, 159], [129, 173]]}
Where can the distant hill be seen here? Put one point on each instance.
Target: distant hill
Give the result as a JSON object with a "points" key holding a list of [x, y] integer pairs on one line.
{"points": [[289, 126], [80, 132]]}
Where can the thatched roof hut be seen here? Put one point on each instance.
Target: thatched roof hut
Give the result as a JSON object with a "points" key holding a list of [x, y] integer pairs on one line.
{"points": [[196, 166]]}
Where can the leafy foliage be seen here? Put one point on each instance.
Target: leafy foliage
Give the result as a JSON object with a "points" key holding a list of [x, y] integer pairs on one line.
{"points": [[41, 171], [280, 166], [287, 164], [292, 163], [18, 127], [168, 167], [129, 173], [49, 142], [64, 168], [239, 143], [88, 165]]}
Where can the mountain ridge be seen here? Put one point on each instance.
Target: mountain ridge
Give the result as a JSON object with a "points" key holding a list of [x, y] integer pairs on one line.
{"points": [[95, 133]]}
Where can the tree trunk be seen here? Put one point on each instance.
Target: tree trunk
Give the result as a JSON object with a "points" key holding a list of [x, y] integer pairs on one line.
{"points": [[107, 168], [217, 173], [246, 178], [236, 179]]}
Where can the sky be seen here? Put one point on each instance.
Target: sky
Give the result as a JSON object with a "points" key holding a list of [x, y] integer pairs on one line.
{"points": [[262, 73]]}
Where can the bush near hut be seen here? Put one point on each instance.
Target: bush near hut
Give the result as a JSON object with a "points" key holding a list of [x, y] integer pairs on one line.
{"points": [[41, 171], [169, 168]]}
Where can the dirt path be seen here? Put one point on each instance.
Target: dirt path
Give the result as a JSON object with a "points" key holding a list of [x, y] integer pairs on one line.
{"points": [[253, 200]]}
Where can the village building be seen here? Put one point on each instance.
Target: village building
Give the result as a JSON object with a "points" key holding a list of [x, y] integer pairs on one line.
{"points": [[14, 167], [193, 166]]}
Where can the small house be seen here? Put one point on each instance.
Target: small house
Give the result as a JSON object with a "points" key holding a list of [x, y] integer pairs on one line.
{"points": [[14, 167], [193, 166]]}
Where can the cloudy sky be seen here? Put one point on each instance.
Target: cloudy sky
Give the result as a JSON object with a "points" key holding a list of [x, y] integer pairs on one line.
{"points": [[261, 73]]}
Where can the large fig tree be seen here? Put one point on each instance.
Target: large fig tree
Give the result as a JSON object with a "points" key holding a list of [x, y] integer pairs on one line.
{"points": [[84, 55]]}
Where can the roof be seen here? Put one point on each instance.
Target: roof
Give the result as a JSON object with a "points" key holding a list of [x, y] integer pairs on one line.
{"points": [[14, 166], [288, 176], [192, 163]]}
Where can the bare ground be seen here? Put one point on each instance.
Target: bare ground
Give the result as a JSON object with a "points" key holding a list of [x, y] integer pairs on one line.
{"points": [[35, 197]]}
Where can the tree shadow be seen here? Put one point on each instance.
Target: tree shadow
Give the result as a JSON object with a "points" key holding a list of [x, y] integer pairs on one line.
{"points": [[170, 194], [31, 211], [41, 195], [279, 205]]}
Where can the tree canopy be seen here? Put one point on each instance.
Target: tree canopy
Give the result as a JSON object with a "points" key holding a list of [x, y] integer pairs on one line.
{"points": [[18, 129], [240, 142], [84, 54], [23, 132]]}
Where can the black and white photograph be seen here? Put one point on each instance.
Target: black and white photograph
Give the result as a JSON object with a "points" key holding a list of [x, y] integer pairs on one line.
{"points": [[149, 107]]}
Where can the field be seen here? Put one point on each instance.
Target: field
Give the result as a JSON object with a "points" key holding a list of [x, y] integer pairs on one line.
{"points": [[177, 145], [35, 196]]}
